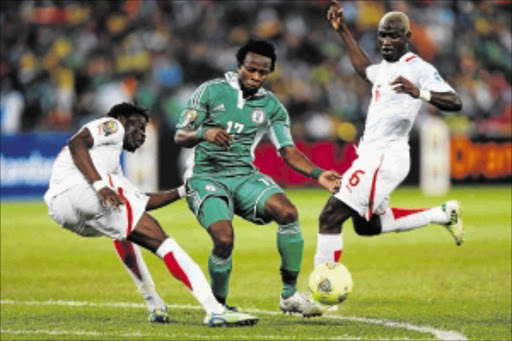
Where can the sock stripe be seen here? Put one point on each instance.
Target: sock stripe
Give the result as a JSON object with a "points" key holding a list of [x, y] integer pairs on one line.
{"points": [[337, 255], [176, 270], [292, 228], [401, 212], [127, 254], [220, 261]]}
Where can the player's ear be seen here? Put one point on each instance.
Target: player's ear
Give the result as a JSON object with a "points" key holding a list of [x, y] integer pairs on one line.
{"points": [[408, 35], [122, 119]]}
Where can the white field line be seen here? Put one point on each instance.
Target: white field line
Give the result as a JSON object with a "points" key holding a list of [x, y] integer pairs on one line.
{"points": [[162, 336], [439, 334]]}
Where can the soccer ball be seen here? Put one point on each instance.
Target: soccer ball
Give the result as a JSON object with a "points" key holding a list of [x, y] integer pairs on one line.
{"points": [[330, 283]]}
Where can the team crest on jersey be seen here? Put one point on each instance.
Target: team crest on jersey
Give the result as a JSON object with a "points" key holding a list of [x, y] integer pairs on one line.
{"points": [[210, 188], [108, 128], [190, 116], [258, 116]]}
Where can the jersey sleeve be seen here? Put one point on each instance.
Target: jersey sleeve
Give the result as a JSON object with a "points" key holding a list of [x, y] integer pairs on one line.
{"points": [[106, 131], [197, 107], [371, 72], [279, 128], [430, 79]]}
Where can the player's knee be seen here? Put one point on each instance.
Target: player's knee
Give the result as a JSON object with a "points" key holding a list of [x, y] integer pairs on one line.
{"points": [[223, 248], [287, 215], [223, 244], [366, 228]]}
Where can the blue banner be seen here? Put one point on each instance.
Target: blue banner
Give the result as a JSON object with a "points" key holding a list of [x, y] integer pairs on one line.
{"points": [[26, 163]]}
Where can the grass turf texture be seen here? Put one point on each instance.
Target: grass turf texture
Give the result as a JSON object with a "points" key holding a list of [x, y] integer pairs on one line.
{"points": [[417, 277]]}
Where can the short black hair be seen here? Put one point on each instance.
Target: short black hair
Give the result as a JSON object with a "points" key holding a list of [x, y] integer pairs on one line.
{"points": [[127, 109], [261, 47]]}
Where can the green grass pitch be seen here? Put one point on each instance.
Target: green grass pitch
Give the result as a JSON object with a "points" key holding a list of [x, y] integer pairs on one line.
{"points": [[414, 285]]}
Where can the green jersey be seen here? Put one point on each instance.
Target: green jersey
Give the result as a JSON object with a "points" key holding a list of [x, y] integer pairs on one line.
{"points": [[219, 104]]}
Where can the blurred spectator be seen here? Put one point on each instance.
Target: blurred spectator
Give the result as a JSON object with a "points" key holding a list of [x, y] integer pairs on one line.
{"points": [[64, 62]]}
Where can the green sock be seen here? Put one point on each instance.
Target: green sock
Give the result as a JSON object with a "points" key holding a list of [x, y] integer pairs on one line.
{"points": [[220, 269], [291, 248]]}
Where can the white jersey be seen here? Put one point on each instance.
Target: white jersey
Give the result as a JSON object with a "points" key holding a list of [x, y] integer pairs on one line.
{"points": [[108, 136], [391, 115]]}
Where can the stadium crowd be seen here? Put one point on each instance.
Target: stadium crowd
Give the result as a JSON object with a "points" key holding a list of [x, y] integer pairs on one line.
{"points": [[66, 62]]}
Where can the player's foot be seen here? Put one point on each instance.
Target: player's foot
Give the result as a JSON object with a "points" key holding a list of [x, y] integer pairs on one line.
{"points": [[159, 316], [455, 226], [299, 303], [230, 319]]}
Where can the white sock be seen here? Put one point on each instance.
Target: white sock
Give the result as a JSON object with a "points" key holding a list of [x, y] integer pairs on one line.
{"points": [[397, 220], [328, 248], [183, 268], [132, 260]]}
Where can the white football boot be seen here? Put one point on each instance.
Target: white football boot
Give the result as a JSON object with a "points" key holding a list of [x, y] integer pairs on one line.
{"points": [[299, 303], [230, 318], [455, 226]]}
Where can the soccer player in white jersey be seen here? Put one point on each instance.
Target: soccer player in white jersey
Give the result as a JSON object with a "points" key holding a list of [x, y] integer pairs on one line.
{"points": [[89, 196], [401, 82]]}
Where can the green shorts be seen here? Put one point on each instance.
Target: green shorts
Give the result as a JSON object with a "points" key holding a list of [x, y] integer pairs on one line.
{"points": [[214, 199]]}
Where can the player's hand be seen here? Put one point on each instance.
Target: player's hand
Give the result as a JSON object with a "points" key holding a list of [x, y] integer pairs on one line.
{"points": [[403, 85], [107, 195], [330, 180], [220, 137], [335, 15]]}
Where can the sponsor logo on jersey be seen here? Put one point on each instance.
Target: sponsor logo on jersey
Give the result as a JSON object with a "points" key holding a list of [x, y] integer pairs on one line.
{"points": [[219, 107], [210, 188], [258, 116], [108, 128]]}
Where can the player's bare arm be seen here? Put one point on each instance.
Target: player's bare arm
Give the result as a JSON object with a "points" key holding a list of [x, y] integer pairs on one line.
{"points": [[190, 138], [79, 146], [359, 59], [164, 198], [449, 101], [299, 162]]}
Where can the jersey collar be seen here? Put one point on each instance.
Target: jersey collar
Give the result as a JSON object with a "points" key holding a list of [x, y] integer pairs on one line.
{"points": [[232, 78], [406, 56]]}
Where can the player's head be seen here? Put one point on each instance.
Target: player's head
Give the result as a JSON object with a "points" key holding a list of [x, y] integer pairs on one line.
{"points": [[393, 35], [256, 60], [134, 120]]}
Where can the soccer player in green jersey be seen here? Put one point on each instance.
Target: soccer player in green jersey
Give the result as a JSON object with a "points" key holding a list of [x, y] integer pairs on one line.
{"points": [[224, 120]]}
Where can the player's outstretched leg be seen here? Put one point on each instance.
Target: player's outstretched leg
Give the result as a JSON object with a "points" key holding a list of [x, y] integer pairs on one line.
{"points": [[150, 235], [399, 220], [131, 258]]}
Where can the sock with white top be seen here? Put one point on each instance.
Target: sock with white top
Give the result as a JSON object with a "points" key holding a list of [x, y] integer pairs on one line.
{"points": [[183, 268], [328, 248]]}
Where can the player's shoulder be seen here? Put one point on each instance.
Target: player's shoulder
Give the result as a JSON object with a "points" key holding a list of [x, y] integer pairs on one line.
{"points": [[415, 61], [105, 126], [215, 83], [270, 96]]}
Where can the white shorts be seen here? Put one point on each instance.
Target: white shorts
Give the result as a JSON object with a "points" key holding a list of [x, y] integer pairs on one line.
{"points": [[374, 175], [79, 209]]}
